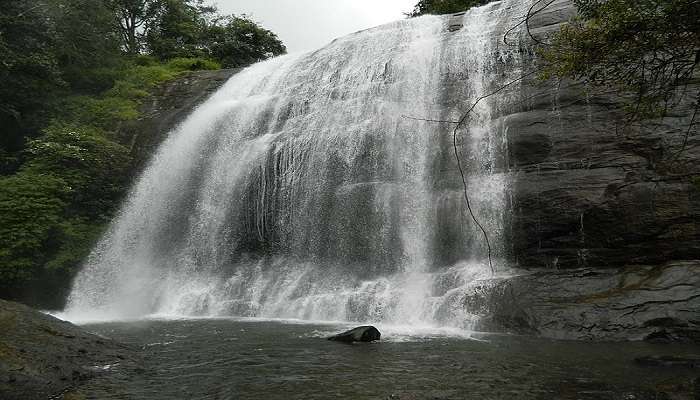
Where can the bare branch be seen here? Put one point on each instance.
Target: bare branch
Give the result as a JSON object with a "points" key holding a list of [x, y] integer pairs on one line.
{"points": [[455, 132], [430, 120]]}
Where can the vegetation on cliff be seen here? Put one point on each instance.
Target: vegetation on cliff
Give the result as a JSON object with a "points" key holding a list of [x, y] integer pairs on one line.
{"points": [[74, 73], [444, 6], [647, 48]]}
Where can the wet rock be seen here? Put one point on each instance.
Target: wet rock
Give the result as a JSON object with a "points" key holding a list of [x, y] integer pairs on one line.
{"points": [[167, 107], [588, 193], [602, 218], [359, 334], [635, 303], [669, 361], [42, 357]]}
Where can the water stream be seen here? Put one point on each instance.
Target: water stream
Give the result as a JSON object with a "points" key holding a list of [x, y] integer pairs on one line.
{"points": [[308, 187]]}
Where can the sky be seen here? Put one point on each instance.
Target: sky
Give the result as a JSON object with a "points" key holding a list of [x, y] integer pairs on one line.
{"points": [[309, 24]]}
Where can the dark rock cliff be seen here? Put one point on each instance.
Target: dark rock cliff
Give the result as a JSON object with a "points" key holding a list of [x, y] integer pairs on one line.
{"points": [[589, 192], [640, 302], [603, 219], [167, 107], [604, 216]]}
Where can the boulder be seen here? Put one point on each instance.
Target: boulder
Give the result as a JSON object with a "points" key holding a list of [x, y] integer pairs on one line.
{"points": [[359, 334]]}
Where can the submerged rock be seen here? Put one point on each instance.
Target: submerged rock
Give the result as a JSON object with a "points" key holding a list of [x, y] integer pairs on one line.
{"points": [[690, 361], [359, 334]]}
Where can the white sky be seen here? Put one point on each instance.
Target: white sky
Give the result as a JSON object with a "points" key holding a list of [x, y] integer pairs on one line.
{"points": [[309, 24]]}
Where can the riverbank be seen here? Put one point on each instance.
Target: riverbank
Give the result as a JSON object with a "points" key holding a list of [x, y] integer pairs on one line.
{"points": [[43, 357]]}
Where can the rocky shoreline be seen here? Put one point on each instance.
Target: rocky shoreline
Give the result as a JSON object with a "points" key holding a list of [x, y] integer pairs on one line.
{"points": [[42, 357]]}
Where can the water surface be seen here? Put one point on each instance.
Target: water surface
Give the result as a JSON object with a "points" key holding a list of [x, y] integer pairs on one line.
{"points": [[257, 359]]}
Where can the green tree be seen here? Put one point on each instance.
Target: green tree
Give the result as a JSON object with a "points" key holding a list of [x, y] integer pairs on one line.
{"points": [[30, 211], [134, 19], [189, 28], [88, 48], [179, 29], [94, 168], [55, 207], [29, 69], [444, 6], [649, 48], [238, 41], [50, 47]]}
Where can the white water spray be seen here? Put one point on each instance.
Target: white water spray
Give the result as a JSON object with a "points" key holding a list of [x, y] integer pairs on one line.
{"points": [[299, 190]]}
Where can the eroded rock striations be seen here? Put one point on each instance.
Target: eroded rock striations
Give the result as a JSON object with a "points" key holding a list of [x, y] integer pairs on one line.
{"points": [[588, 193], [605, 218], [657, 303]]}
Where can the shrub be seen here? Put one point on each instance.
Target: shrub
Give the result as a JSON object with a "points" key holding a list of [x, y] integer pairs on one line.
{"points": [[95, 169], [30, 210], [193, 64], [648, 48]]}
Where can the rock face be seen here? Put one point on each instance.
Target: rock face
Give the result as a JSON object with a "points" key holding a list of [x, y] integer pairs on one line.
{"points": [[656, 303], [589, 192], [42, 357], [169, 106], [359, 334], [604, 216]]}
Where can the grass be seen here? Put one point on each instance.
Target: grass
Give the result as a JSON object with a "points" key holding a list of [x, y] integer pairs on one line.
{"points": [[120, 103]]}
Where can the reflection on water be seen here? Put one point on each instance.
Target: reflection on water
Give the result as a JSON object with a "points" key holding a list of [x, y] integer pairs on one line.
{"points": [[258, 359]]}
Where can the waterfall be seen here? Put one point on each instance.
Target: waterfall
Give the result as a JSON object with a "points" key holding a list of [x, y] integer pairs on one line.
{"points": [[309, 187]]}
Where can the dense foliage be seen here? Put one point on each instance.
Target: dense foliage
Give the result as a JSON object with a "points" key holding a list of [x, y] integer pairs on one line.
{"points": [[191, 29], [235, 42], [49, 47], [650, 48], [444, 6], [74, 73]]}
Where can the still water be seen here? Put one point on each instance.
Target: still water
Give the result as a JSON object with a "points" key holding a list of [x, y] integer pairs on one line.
{"points": [[255, 359]]}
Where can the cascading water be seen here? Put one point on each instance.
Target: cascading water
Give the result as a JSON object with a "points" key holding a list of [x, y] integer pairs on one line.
{"points": [[301, 190]]}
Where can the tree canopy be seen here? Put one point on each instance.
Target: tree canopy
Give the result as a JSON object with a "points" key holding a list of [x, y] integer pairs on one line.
{"points": [[444, 6], [73, 73], [238, 41], [650, 48], [55, 48], [49, 47]]}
